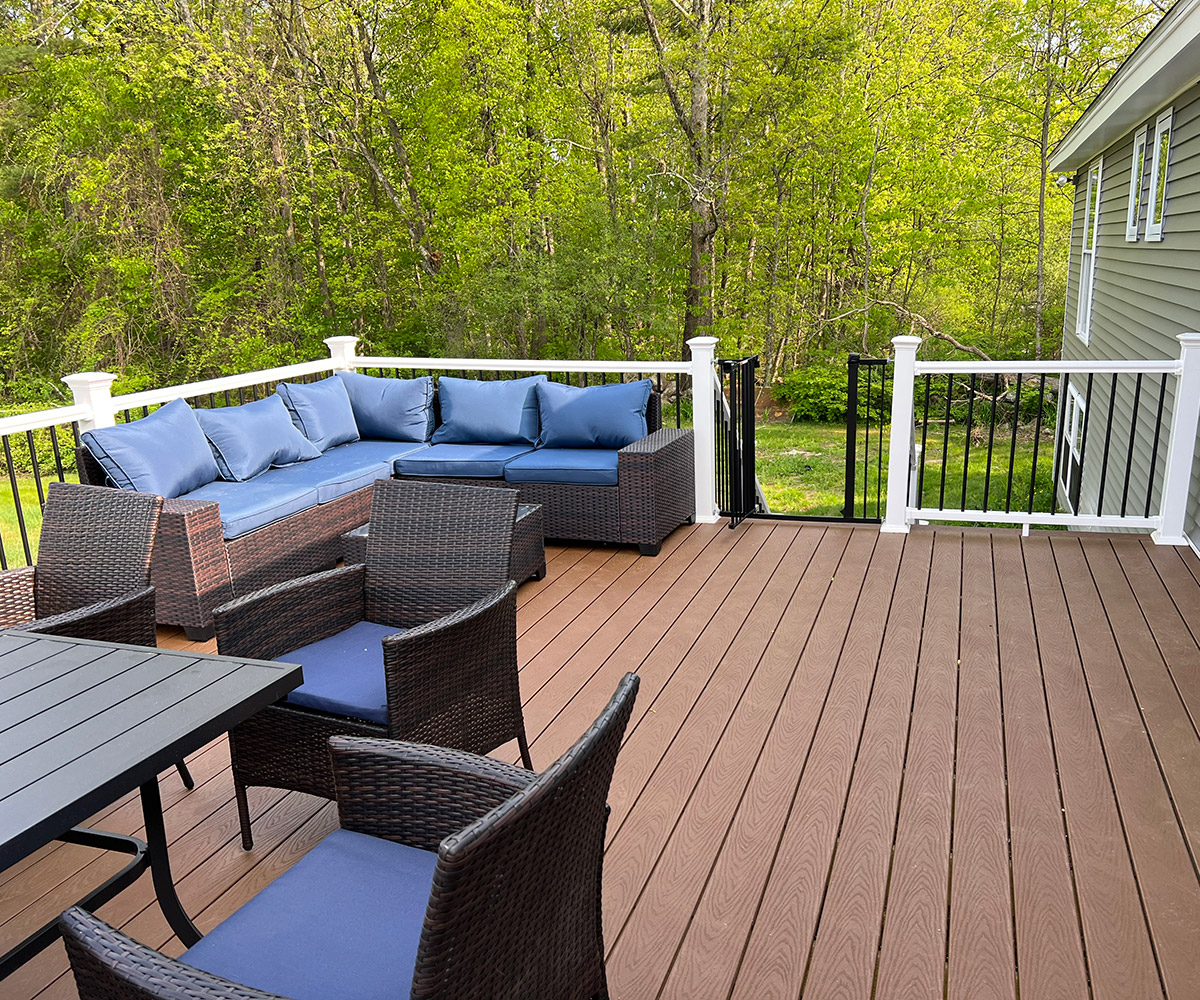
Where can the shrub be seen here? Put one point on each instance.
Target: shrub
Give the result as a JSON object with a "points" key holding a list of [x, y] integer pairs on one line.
{"points": [[818, 393]]}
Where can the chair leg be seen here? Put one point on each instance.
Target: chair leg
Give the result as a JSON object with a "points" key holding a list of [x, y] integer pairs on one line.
{"points": [[243, 808], [649, 549], [523, 744], [185, 776]]}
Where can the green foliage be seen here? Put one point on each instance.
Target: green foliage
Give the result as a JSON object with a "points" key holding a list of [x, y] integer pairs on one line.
{"points": [[816, 393]]}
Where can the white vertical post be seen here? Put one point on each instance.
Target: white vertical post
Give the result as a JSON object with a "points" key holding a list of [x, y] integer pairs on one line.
{"points": [[1181, 447], [341, 349], [900, 448], [704, 426], [93, 390]]}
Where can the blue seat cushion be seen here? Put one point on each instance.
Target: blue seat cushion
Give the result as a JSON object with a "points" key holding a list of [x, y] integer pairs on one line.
{"points": [[585, 466], [343, 922], [474, 461], [343, 675], [396, 409], [250, 438], [344, 468], [164, 453], [253, 504], [597, 416], [321, 410], [502, 412]]}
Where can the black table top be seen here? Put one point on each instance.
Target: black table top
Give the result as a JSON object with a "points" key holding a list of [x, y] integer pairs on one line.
{"points": [[82, 723]]}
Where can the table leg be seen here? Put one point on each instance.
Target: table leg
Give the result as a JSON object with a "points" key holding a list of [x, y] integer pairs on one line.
{"points": [[160, 866]]}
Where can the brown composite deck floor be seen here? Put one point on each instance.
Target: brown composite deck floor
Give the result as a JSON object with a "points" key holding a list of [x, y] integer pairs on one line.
{"points": [[947, 764]]}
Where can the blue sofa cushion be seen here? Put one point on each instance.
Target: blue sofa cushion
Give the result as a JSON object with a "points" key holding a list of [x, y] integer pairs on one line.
{"points": [[344, 921], [598, 416], [164, 453], [502, 412], [249, 439], [321, 410], [396, 409], [344, 468], [473, 461], [588, 466], [343, 674], [253, 504]]}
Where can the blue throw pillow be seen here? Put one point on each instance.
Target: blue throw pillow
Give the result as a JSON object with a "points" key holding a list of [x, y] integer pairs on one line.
{"points": [[321, 410], [475, 412], [598, 416], [249, 439], [164, 453], [395, 409]]}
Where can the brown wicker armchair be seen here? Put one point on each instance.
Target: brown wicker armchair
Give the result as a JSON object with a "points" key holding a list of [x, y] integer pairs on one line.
{"points": [[512, 908], [418, 643]]}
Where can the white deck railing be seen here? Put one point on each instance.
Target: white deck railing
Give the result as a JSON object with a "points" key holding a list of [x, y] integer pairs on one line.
{"points": [[1165, 518]]}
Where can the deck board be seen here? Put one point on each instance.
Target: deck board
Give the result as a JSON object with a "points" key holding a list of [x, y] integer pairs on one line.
{"points": [[814, 798]]}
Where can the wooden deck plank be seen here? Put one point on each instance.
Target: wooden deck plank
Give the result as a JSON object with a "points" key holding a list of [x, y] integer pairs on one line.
{"points": [[1170, 892], [1050, 963], [847, 941], [912, 951], [778, 948], [1118, 953]]}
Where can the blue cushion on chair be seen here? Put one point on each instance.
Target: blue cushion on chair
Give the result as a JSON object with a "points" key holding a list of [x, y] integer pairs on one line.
{"points": [[321, 410], [473, 461], [502, 412], [394, 409], [249, 439], [255, 503], [598, 416], [164, 453], [343, 674], [343, 922], [588, 466]]}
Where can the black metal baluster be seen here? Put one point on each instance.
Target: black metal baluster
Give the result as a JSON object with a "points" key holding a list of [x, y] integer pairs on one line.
{"points": [[37, 471], [852, 370], [967, 449], [1112, 401], [987, 473], [924, 438], [58, 462], [1162, 395], [1037, 440], [1012, 449], [1137, 396], [867, 443], [16, 494], [241, 396]]}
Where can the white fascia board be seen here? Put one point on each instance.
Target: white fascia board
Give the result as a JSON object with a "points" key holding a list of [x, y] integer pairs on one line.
{"points": [[1160, 69]]}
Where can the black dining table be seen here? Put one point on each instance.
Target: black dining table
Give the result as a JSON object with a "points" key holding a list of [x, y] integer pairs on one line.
{"points": [[83, 723]]}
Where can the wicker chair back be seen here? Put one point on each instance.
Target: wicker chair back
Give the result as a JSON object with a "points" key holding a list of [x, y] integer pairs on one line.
{"points": [[435, 548], [95, 544]]}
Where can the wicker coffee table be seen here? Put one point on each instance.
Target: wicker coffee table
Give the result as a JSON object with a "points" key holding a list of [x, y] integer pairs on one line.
{"points": [[528, 559]]}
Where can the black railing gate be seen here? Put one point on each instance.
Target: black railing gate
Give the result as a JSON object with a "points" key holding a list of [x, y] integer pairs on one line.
{"points": [[737, 487]]}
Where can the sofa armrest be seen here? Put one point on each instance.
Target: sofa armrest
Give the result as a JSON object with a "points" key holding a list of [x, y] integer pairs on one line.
{"points": [[189, 569], [128, 618], [269, 622], [656, 478], [17, 603], [415, 794]]}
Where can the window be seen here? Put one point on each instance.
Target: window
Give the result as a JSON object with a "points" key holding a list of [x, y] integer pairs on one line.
{"points": [[1137, 171], [1087, 256], [1071, 466], [1158, 177]]}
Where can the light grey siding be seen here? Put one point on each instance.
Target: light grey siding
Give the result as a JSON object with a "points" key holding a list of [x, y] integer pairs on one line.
{"points": [[1144, 295]]}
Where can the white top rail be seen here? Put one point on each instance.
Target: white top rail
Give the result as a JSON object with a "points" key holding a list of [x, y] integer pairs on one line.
{"points": [[21, 422], [151, 397], [1099, 367], [536, 365]]}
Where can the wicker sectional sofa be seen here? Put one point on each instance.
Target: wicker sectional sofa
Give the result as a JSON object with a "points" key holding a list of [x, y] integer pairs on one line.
{"points": [[227, 537]]}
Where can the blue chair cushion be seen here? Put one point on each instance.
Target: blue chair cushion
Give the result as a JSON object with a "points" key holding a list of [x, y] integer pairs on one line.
{"points": [[164, 453], [472, 461], [249, 439], [395, 409], [253, 504], [503, 412], [343, 922], [344, 468], [343, 675], [321, 410], [597, 416], [587, 466]]}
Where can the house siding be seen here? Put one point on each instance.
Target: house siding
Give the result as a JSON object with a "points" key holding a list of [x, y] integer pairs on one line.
{"points": [[1144, 295]]}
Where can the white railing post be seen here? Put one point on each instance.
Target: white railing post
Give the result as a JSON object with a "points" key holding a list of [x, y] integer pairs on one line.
{"points": [[900, 448], [93, 390], [341, 349], [1181, 447], [704, 426]]}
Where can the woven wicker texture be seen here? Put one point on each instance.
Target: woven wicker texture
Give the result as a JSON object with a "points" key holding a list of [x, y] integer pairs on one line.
{"points": [[437, 567], [514, 911], [92, 579]]}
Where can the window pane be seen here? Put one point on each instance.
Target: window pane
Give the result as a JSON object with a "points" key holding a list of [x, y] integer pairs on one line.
{"points": [[1160, 181], [1093, 209]]}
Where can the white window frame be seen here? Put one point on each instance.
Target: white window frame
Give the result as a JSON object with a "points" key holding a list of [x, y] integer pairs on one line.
{"points": [[1154, 217], [1087, 251], [1137, 173]]}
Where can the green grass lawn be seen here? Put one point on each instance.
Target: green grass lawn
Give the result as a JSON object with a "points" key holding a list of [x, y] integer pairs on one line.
{"points": [[10, 528]]}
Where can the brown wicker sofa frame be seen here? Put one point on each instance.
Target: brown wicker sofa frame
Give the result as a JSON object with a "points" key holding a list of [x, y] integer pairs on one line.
{"points": [[195, 568]]}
